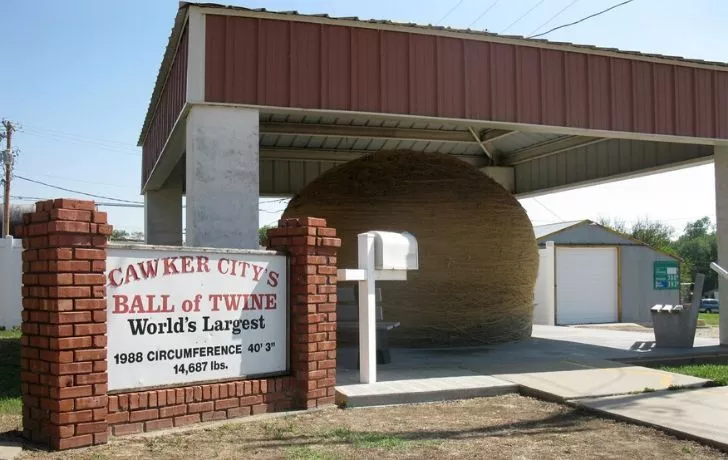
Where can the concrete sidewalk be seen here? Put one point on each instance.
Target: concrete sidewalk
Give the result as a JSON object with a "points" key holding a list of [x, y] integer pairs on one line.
{"points": [[701, 415]]}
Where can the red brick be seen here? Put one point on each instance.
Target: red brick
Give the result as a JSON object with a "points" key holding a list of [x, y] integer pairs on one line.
{"points": [[98, 316], [226, 403], [74, 442], [327, 364], [101, 389], [251, 400], [98, 291], [99, 217], [62, 226], [94, 427], [113, 404], [206, 391], [69, 343], [69, 292], [98, 266], [89, 329], [171, 399], [325, 400], [100, 341], [129, 428], [142, 415], [327, 270], [68, 214], [198, 393], [71, 368], [101, 377], [162, 398], [200, 407], [117, 417], [90, 254], [173, 411], [326, 232], [217, 415], [89, 304], [101, 438], [39, 216], [162, 424], [325, 383], [58, 405], [69, 239], [100, 414], [238, 412], [71, 392], [259, 409], [88, 279], [91, 402], [67, 203], [69, 266], [223, 391], [152, 396], [186, 420], [105, 229], [325, 346], [69, 317], [55, 254], [90, 355], [64, 418], [50, 279]]}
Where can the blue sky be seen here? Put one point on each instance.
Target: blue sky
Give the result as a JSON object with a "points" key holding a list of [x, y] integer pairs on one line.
{"points": [[81, 73]]}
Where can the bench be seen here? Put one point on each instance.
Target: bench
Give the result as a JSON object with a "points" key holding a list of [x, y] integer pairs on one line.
{"points": [[347, 314]]}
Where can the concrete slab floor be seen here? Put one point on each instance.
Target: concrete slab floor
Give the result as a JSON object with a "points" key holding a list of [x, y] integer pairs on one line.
{"points": [[696, 414], [421, 390]]}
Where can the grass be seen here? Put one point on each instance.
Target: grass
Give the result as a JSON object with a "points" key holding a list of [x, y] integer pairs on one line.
{"points": [[718, 373], [10, 333], [509, 426], [10, 372], [711, 319]]}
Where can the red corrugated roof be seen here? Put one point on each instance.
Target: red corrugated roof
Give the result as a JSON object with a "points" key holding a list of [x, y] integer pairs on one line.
{"points": [[413, 28]]}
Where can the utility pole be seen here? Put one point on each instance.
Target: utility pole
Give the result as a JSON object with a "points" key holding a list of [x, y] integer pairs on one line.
{"points": [[8, 163]]}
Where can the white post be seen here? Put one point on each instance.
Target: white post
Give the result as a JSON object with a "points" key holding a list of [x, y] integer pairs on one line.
{"points": [[721, 214], [367, 307]]}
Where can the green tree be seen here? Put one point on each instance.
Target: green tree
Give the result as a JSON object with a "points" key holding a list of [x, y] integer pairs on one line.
{"points": [[263, 234], [698, 247], [654, 233]]}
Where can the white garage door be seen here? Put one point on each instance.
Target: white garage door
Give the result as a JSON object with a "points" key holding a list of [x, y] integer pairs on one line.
{"points": [[586, 285]]}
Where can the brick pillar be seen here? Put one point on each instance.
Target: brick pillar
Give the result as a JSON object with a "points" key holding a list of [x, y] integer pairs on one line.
{"points": [[63, 346], [312, 248]]}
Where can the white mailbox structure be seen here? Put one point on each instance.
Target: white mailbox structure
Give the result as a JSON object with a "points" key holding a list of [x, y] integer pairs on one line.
{"points": [[384, 256]]}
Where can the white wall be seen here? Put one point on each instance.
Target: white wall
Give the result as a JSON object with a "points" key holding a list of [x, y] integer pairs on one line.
{"points": [[544, 292], [11, 268]]}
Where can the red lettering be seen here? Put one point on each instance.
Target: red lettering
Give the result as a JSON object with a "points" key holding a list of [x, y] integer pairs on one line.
{"points": [[232, 301], [121, 303], [245, 266], [137, 306], [257, 301], [131, 273], [169, 267], [112, 280], [215, 298], [235, 264], [273, 279], [149, 268], [257, 271], [203, 264], [219, 266], [270, 302], [187, 264]]}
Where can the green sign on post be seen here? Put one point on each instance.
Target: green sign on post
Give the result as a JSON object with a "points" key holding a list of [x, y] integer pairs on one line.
{"points": [[666, 275]]}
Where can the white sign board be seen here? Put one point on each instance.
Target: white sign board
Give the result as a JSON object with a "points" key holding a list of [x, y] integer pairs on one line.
{"points": [[189, 316]]}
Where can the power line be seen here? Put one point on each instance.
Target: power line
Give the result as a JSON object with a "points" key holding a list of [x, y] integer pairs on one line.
{"points": [[559, 13], [492, 5], [80, 136], [97, 145], [547, 209], [582, 19], [522, 16], [450, 12], [93, 195]]}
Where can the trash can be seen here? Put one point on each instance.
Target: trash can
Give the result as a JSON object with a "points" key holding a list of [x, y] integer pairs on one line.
{"points": [[675, 325]]}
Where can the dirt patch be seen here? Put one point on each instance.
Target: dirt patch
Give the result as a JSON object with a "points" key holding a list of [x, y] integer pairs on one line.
{"points": [[509, 426]]}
